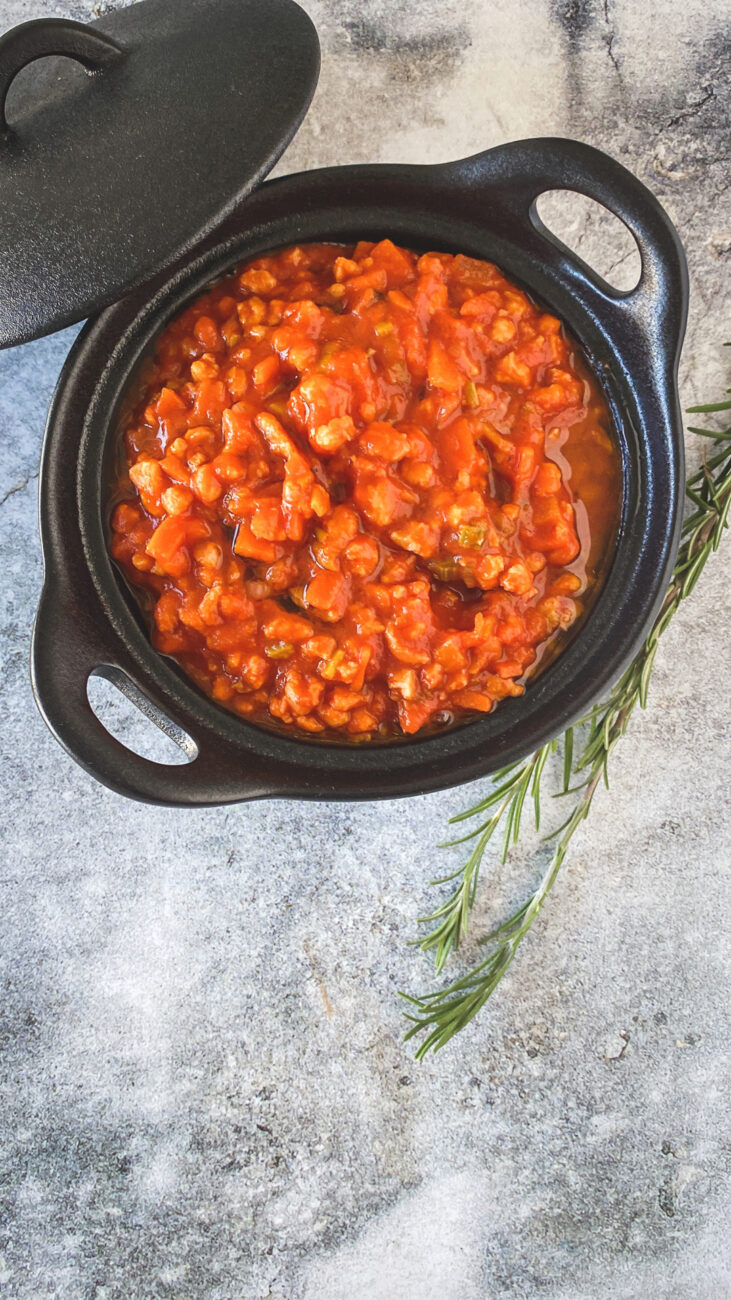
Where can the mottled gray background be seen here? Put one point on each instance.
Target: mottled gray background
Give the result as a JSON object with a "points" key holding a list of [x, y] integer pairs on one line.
{"points": [[206, 1093]]}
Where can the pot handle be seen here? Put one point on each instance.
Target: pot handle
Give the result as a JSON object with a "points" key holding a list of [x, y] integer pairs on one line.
{"points": [[69, 645], [48, 36], [515, 175]]}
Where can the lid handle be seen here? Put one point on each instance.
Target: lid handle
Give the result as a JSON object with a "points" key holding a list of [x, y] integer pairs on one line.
{"points": [[44, 36]]}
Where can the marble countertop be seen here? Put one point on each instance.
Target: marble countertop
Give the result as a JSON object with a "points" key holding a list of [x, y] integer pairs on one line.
{"points": [[206, 1094]]}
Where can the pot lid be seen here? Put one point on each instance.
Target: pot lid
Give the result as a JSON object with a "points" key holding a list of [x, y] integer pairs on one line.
{"points": [[122, 155]]}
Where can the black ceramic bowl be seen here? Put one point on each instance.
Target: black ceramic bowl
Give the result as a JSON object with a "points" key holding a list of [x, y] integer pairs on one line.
{"points": [[484, 207]]}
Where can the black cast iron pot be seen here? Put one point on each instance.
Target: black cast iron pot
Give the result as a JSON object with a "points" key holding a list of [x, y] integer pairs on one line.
{"points": [[485, 207]]}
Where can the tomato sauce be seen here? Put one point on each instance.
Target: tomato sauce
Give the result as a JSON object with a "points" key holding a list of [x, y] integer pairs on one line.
{"points": [[364, 490]]}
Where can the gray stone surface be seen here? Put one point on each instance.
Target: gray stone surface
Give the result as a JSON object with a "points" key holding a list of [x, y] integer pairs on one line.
{"points": [[205, 1089]]}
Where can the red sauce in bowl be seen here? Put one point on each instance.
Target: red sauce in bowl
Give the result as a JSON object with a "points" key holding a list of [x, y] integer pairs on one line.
{"points": [[364, 490]]}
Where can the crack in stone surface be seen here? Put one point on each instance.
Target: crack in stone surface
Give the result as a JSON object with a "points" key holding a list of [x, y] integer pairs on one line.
{"points": [[692, 110], [609, 40], [620, 261], [625, 1036], [19, 487], [612, 57]]}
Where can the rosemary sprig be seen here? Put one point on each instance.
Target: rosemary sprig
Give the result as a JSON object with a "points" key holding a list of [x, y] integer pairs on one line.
{"points": [[441, 1014], [514, 784]]}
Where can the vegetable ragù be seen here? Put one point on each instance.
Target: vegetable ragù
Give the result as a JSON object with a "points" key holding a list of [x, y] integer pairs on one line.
{"points": [[365, 490]]}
